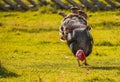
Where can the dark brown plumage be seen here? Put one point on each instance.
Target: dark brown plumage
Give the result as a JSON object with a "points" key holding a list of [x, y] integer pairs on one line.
{"points": [[78, 36]]}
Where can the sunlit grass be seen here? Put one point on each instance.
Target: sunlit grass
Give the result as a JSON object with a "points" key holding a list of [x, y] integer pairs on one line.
{"points": [[31, 49]]}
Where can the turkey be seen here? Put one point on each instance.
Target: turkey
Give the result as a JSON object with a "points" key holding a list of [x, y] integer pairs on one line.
{"points": [[78, 38]]}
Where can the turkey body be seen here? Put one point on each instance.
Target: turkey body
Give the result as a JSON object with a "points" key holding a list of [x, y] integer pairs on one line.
{"points": [[80, 39]]}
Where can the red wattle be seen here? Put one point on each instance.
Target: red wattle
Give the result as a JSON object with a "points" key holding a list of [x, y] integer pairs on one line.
{"points": [[80, 55]]}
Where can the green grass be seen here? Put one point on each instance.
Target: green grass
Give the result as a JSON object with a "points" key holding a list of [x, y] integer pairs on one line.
{"points": [[30, 49]]}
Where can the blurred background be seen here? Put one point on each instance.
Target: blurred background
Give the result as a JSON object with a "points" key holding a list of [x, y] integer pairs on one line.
{"points": [[53, 5], [31, 50]]}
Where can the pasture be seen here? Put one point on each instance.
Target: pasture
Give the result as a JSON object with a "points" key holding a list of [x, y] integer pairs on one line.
{"points": [[30, 49]]}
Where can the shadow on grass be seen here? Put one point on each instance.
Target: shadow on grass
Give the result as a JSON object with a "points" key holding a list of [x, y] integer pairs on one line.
{"points": [[71, 65], [4, 73], [105, 67], [109, 25], [33, 30], [104, 43]]}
